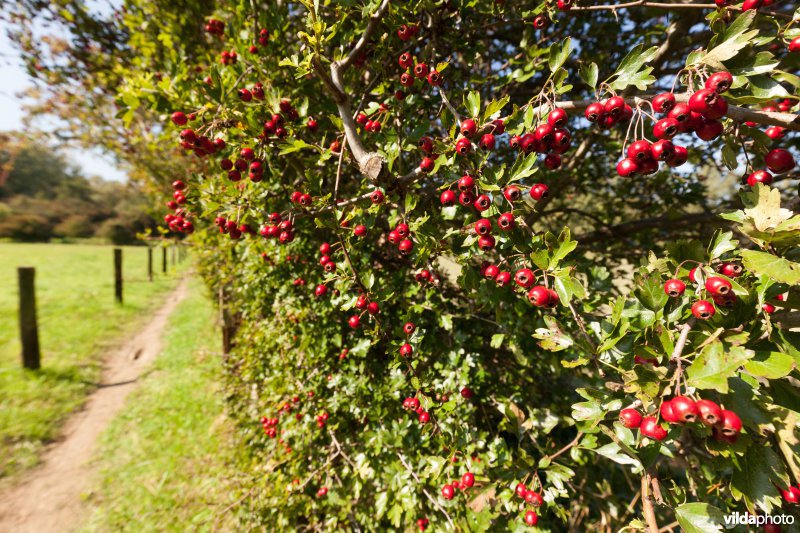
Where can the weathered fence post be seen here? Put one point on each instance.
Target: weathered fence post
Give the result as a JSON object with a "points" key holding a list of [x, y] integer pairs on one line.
{"points": [[150, 263], [28, 328], [118, 274], [164, 259]]}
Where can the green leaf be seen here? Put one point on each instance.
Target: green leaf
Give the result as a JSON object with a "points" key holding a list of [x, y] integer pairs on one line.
{"points": [[650, 292], [523, 167], [765, 88], [588, 73], [777, 268], [770, 365], [553, 337], [631, 70], [294, 145], [712, 368], [473, 103], [614, 452], [494, 106], [497, 340], [732, 40], [723, 243], [755, 476], [559, 54], [699, 518]]}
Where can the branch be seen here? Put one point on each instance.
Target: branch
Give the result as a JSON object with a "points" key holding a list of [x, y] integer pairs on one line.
{"points": [[567, 447], [669, 5], [647, 504], [635, 226], [681, 344], [740, 114], [372, 26], [431, 498]]}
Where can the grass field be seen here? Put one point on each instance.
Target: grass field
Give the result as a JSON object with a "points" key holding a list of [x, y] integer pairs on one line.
{"points": [[164, 461], [78, 322]]}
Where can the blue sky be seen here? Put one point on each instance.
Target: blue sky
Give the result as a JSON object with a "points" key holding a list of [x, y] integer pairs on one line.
{"points": [[15, 80]]}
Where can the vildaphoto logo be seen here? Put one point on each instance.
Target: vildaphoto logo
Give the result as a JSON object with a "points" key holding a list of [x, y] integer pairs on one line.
{"points": [[747, 519]]}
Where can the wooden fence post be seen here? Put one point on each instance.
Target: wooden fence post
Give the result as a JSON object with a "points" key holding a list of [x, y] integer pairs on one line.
{"points": [[164, 259], [150, 263], [118, 274], [28, 328]]}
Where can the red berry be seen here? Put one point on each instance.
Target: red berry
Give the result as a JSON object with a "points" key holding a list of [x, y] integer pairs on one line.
{"points": [[531, 518], [666, 412], [594, 112], [506, 221], [627, 167], [630, 418], [448, 198], [534, 498], [703, 309], [354, 321], [779, 161], [406, 350], [482, 202], [448, 492], [557, 118], [719, 82], [524, 278], [731, 423], [614, 106], [539, 296], [468, 480], [463, 146], [487, 142], [468, 127], [718, 286], [467, 393], [684, 409], [409, 328], [486, 242], [664, 102], [674, 288], [710, 412], [679, 156], [520, 490], [652, 429], [666, 128], [512, 193], [427, 164], [538, 191], [405, 246], [794, 46]]}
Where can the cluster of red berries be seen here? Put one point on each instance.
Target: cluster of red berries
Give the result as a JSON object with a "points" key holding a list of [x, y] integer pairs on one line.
{"points": [[538, 295], [325, 260], [228, 58], [363, 304], [407, 31], [215, 27], [371, 126], [322, 492], [413, 404], [263, 39], [725, 424], [720, 289], [406, 350], [247, 95], [466, 482], [550, 137], [531, 497], [417, 71], [275, 125], [400, 236], [422, 523], [700, 115], [270, 426], [177, 221], [469, 130], [232, 228], [425, 276], [322, 418], [201, 145], [278, 228]]}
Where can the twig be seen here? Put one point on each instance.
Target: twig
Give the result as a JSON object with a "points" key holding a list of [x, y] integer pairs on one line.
{"points": [[450, 106], [567, 447], [372, 26], [647, 504], [427, 494]]}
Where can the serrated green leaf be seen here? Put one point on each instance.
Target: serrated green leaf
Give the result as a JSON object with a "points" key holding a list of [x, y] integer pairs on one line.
{"points": [[712, 368], [473, 103], [494, 106], [777, 268]]}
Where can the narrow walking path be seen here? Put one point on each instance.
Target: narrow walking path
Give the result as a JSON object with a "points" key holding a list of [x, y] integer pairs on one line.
{"points": [[48, 499]]}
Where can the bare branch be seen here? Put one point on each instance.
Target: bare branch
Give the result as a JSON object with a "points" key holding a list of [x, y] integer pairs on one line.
{"points": [[427, 494], [647, 503]]}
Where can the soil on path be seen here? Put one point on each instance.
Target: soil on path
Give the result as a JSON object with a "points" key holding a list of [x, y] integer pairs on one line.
{"points": [[49, 498]]}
